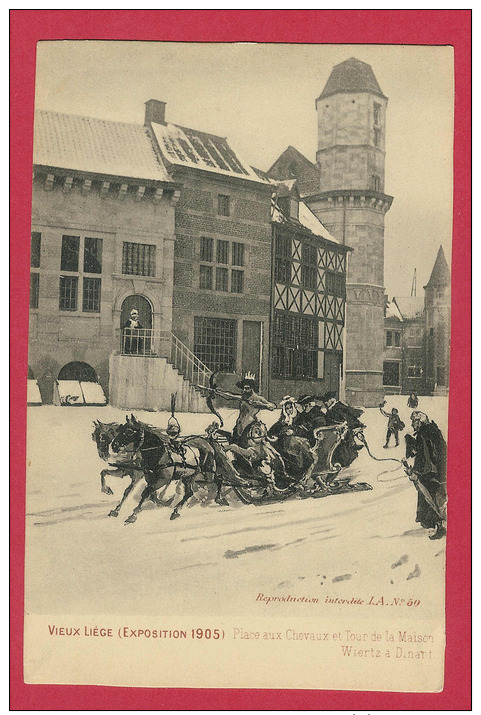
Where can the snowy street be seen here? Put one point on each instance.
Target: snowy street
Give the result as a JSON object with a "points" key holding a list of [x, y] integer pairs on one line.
{"points": [[216, 558]]}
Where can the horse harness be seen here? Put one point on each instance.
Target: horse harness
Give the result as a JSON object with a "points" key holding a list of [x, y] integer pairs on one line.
{"points": [[171, 447]]}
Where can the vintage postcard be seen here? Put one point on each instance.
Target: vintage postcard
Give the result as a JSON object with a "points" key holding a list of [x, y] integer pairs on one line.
{"points": [[238, 366]]}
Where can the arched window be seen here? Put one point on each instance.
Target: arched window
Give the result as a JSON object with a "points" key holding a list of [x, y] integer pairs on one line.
{"points": [[81, 371]]}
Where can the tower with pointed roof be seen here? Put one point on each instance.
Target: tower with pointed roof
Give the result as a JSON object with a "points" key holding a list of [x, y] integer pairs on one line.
{"points": [[351, 203], [437, 308]]}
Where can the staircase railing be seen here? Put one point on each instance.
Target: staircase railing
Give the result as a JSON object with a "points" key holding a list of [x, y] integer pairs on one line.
{"points": [[147, 342]]}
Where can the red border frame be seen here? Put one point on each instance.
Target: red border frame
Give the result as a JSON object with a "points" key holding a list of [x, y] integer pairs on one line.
{"points": [[437, 27]]}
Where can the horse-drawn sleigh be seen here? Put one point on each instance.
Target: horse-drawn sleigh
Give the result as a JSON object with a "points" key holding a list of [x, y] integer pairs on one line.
{"points": [[269, 465]]}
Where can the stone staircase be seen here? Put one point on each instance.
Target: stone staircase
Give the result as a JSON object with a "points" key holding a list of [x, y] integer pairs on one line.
{"points": [[147, 382]]}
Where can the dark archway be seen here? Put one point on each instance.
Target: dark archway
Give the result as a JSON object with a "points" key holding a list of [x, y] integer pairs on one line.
{"points": [[81, 371], [143, 306]]}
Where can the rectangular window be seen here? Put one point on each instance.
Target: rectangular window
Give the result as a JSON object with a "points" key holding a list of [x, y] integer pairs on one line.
{"points": [[206, 249], [391, 373], [415, 371], [309, 277], [215, 343], [388, 338], [93, 255], [70, 253], [282, 270], [222, 251], [35, 249], [34, 286], [377, 137], [138, 259], [237, 254], [223, 205], [205, 277], [283, 246], [375, 183], [68, 293], [340, 285], [237, 282], [397, 339], [330, 282], [295, 346], [221, 278], [309, 254], [377, 113], [91, 295]]}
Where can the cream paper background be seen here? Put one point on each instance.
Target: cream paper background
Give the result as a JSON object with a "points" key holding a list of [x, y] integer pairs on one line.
{"points": [[207, 569]]}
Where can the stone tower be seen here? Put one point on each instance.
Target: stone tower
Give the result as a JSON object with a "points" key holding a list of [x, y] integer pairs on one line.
{"points": [[437, 308], [351, 204]]}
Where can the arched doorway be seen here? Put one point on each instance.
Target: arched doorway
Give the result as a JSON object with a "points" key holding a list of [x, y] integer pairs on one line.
{"points": [[143, 306], [81, 371]]}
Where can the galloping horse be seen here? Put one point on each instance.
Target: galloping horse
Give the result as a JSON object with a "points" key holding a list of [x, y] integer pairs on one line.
{"points": [[164, 460], [124, 465]]}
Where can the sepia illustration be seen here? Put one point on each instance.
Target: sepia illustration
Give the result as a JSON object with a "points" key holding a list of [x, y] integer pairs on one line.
{"points": [[239, 366]]}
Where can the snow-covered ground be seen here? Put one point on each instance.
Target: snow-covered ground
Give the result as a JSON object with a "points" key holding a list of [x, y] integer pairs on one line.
{"points": [[216, 559]]}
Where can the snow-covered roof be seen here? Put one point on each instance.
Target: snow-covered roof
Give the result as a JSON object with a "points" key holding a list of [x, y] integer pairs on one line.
{"points": [[392, 311], [306, 219], [411, 307], [310, 221], [66, 141], [198, 150]]}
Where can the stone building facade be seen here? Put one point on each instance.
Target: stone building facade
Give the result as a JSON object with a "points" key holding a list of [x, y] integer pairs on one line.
{"points": [[417, 337], [99, 196], [222, 264]]}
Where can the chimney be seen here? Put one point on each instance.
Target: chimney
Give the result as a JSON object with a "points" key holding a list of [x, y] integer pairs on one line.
{"points": [[154, 112]]}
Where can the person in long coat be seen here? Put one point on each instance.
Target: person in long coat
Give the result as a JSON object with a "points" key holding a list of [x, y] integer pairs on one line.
{"points": [[428, 447], [132, 343]]}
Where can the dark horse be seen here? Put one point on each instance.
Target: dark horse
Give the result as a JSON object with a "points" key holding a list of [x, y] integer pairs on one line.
{"points": [[164, 460], [122, 465]]}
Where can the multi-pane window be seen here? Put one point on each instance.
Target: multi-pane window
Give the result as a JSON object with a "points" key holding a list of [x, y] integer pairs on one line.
{"points": [[35, 245], [206, 249], [220, 275], [222, 251], [80, 257], [138, 259], [68, 293], [335, 283], [393, 339], [237, 282], [215, 343], [237, 254], [295, 345], [34, 286], [223, 205], [205, 276], [91, 295], [221, 279], [309, 266]]}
